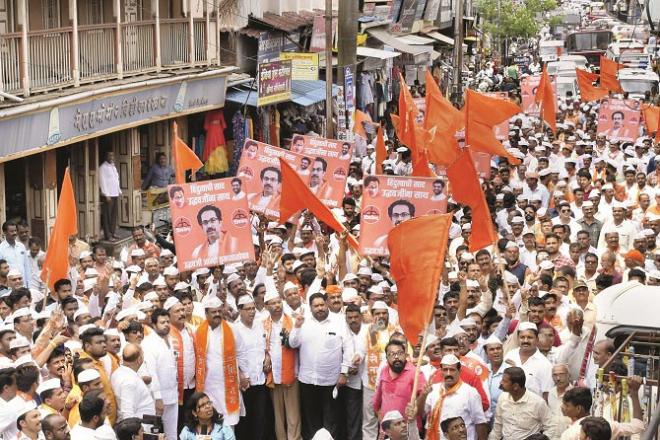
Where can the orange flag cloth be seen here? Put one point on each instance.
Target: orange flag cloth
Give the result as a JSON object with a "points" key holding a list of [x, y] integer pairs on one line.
{"points": [[381, 152], [545, 96], [652, 120], [440, 113], [297, 196], [184, 159], [56, 263], [608, 79], [360, 119], [466, 189], [417, 256], [589, 92], [482, 113], [406, 105]]}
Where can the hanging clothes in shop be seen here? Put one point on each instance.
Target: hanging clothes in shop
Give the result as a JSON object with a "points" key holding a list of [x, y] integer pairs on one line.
{"points": [[215, 146], [238, 130], [365, 93]]}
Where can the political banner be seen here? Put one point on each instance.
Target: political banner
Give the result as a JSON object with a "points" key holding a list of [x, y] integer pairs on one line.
{"points": [[501, 130], [528, 89], [210, 223], [619, 119], [259, 168], [329, 169], [388, 200]]}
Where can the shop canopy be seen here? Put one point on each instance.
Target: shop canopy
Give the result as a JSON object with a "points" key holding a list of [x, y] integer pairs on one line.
{"points": [[401, 44], [441, 38], [370, 52], [303, 92]]}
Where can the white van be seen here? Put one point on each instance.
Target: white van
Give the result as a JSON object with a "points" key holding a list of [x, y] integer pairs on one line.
{"points": [[636, 82], [550, 50]]}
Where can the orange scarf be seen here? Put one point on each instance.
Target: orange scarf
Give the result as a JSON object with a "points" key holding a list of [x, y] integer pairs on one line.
{"points": [[434, 419], [288, 354], [373, 356], [229, 365], [107, 387], [177, 345]]}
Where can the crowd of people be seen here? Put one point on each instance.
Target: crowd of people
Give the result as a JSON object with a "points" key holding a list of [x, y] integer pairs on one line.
{"points": [[304, 342]]}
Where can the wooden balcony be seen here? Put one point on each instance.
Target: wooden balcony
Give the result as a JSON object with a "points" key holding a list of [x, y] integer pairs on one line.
{"points": [[40, 61]]}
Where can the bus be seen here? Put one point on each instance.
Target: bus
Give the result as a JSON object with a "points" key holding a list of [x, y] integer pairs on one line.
{"points": [[592, 43]]}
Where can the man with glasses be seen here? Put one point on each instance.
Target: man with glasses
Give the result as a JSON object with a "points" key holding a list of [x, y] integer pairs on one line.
{"points": [[217, 242], [564, 218]]}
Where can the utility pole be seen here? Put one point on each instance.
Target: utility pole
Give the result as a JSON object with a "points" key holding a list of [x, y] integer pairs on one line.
{"points": [[330, 129], [347, 28], [457, 83]]}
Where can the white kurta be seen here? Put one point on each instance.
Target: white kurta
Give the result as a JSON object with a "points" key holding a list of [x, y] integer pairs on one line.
{"points": [[214, 383]]}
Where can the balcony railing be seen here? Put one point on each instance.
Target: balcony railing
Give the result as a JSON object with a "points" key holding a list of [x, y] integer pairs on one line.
{"points": [[48, 63]]}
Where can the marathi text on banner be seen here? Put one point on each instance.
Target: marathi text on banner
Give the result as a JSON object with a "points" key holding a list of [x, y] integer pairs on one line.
{"points": [[210, 223], [389, 200]]}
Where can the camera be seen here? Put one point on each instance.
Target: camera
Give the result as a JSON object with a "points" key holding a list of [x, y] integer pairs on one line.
{"points": [[156, 423], [285, 338]]}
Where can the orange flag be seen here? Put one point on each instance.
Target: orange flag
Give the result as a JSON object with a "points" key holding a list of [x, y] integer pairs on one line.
{"points": [[406, 105], [440, 113], [184, 159], [360, 119], [546, 97], [297, 196], [417, 256], [381, 152], [608, 79], [420, 156], [589, 92], [482, 113], [56, 263], [652, 120], [466, 189]]}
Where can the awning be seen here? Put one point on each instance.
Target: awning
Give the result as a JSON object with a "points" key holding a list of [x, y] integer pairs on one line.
{"points": [[415, 40], [303, 92], [387, 38], [376, 53], [441, 38], [288, 21]]}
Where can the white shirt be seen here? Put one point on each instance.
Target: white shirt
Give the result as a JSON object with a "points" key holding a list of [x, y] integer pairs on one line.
{"points": [[465, 402], [538, 370], [188, 359], [627, 233], [251, 350], [518, 420], [132, 394], [109, 180], [325, 351], [17, 258], [79, 432], [161, 364], [8, 416]]}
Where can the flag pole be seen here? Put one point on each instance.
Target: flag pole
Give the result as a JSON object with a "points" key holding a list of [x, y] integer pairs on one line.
{"points": [[418, 368]]}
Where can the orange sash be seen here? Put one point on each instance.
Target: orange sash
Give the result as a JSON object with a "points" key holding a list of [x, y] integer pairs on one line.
{"points": [[107, 387], [373, 356], [229, 365], [177, 344], [288, 354], [434, 418]]}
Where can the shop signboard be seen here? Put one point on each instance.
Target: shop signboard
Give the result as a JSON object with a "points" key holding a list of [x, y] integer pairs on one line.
{"points": [[304, 66], [274, 82]]}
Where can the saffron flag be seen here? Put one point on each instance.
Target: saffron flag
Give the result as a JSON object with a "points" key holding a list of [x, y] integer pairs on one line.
{"points": [[652, 120], [56, 262], [440, 113], [545, 97], [589, 92], [608, 79], [184, 159], [360, 119], [466, 189], [482, 113], [406, 105], [417, 255], [381, 152], [297, 196]]}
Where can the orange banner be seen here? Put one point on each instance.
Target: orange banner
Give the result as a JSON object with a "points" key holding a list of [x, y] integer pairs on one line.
{"points": [[619, 118], [329, 169], [501, 130], [387, 201], [259, 167], [210, 223]]}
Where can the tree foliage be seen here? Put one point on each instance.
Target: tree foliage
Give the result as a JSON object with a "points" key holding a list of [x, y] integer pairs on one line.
{"points": [[513, 19]]}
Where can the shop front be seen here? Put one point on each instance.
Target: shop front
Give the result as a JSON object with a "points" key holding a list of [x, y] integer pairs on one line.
{"points": [[39, 140]]}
